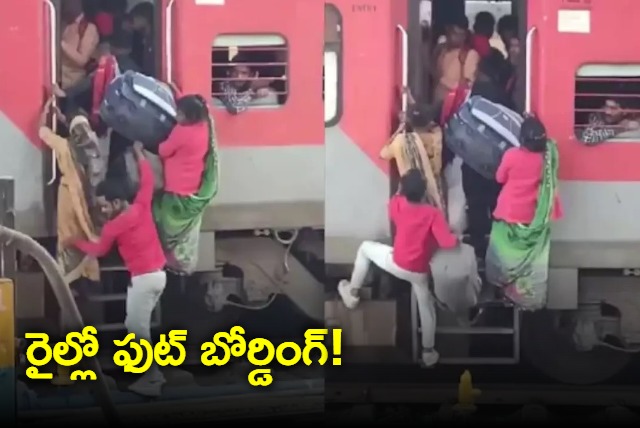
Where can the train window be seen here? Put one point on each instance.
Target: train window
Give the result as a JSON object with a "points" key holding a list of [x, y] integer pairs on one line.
{"points": [[249, 71], [607, 103], [332, 64]]}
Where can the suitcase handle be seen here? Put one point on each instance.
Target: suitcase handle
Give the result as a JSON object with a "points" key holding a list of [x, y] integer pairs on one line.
{"points": [[127, 77]]}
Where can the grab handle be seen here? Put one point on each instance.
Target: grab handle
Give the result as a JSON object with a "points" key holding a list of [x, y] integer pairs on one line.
{"points": [[528, 68], [405, 65], [53, 51], [168, 40]]}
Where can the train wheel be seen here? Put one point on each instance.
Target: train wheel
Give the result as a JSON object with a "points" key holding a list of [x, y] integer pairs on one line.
{"points": [[547, 343]]}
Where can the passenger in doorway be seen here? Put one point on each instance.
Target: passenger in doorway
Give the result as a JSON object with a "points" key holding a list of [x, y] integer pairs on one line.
{"points": [[513, 50], [513, 56], [190, 162], [482, 193], [109, 17], [74, 194], [239, 94], [456, 62], [517, 260], [140, 20], [507, 29], [183, 153], [609, 123], [80, 39], [89, 93], [521, 173], [132, 229], [492, 78], [419, 121], [420, 230], [116, 61], [483, 29]]}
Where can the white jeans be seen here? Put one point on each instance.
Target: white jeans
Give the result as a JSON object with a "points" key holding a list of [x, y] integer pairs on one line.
{"points": [[142, 297], [382, 256]]}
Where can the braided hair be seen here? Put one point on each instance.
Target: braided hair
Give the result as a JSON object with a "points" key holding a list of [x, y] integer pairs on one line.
{"points": [[193, 108], [533, 135]]}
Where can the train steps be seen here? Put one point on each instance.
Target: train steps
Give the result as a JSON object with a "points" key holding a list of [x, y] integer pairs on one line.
{"points": [[491, 335]]}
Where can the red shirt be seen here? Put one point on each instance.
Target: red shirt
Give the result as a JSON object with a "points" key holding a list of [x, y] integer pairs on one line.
{"points": [[183, 157], [520, 172], [481, 45], [420, 230], [104, 22], [133, 231]]}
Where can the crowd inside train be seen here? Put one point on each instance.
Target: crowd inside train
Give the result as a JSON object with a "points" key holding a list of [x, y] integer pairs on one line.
{"points": [[508, 212]]}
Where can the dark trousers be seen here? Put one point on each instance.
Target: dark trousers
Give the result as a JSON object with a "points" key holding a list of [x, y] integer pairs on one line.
{"points": [[481, 195]]}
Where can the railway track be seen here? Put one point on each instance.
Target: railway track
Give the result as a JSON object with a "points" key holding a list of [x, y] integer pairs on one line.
{"points": [[428, 405], [491, 394], [295, 400], [189, 396]]}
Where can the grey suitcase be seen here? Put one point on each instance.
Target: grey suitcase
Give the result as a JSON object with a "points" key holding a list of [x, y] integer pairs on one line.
{"points": [[480, 132], [139, 108]]}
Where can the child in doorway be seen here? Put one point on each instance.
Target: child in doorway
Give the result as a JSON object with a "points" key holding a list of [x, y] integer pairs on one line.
{"points": [[132, 229], [420, 230]]}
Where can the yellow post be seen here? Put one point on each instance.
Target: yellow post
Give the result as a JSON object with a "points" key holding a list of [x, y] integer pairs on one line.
{"points": [[63, 377], [7, 352], [467, 394]]}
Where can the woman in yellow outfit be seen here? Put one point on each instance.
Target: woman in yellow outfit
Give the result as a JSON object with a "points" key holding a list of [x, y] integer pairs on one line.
{"points": [[76, 158]]}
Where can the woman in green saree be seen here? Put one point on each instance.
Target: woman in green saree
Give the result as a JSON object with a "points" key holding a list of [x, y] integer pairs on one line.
{"points": [[518, 255], [178, 210]]}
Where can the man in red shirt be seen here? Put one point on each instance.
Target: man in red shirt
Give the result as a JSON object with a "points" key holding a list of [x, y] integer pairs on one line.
{"points": [[132, 229], [420, 230]]}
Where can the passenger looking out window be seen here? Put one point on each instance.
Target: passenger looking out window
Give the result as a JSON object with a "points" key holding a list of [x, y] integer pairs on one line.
{"points": [[609, 123], [244, 89]]}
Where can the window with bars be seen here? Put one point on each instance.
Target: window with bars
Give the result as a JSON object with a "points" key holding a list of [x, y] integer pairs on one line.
{"points": [[607, 103], [249, 71]]}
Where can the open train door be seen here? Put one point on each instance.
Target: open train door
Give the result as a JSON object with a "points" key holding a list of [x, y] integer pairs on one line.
{"points": [[362, 86]]}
